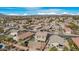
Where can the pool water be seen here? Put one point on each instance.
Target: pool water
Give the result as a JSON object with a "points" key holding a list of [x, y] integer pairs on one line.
{"points": [[1, 46]]}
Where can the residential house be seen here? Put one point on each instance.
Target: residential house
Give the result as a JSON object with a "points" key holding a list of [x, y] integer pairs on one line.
{"points": [[56, 41], [67, 30], [40, 40], [37, 27], [24, 35], [41, 36], [14, 34]]}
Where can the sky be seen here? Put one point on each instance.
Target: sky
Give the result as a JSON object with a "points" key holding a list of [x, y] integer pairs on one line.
{"points": [[39, 10]]}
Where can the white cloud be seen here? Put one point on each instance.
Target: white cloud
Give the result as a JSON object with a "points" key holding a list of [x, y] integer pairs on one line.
{"points": [[55, 12], [25, 14], [77, 13], [68, 13], [16, 14], [52, 13], [65, 13], [12, 14], [49, 12]]}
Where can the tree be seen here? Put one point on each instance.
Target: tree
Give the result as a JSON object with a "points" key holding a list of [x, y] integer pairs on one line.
{"points": [[1, 30], [73, 46], [73, 26], [53, 49], [65, 49]]}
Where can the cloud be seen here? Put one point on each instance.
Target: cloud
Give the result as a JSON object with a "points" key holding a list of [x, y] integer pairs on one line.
{"points": [[37, 11], [77, 13], [49, 12], [52, 13], [67, 13], [17, 14], [12, 14], [55, 12], [25, 14]]}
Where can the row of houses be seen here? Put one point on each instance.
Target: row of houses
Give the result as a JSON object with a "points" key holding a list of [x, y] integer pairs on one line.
{"points": [[41, 39]]}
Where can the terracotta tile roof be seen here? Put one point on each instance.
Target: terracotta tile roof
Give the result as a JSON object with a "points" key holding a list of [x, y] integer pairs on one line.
{"points": [[24, 35], [40, 45], [20, 47], [36, 46], [76, 41]]}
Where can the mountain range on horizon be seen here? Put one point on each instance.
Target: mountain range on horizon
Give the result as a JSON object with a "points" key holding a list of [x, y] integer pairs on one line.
{"points": [[40, 15], [39, 11]]}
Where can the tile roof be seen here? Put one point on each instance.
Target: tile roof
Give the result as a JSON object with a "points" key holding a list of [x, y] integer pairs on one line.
{"points": [[24, 35], [76, 41], [43, 36]]}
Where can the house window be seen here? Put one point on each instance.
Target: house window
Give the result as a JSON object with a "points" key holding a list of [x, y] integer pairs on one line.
{"points": [[60, 46], [52, 44], [48, 44]]}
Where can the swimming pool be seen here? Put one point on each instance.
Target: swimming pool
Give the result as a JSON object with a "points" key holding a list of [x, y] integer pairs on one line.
{"points": [[2, 45]]}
